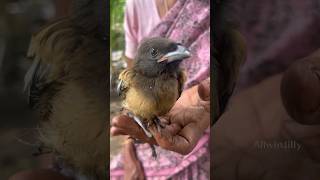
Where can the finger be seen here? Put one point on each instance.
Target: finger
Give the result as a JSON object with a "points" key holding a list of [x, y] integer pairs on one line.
{"points": [[173, 128], [114, 131], [204, 90], [165, 132], [141, 172], [141, 176], [164, 120], [302, 76], [169, 138], [176, 139], [188, 137], [124, 125], [186, 115], [132, 162], [121, 121], [127, 125]]}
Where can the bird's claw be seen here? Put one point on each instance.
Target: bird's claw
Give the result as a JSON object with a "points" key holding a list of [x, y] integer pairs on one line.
{"points": [[154, 152], [136, 141], [140, 123], [158, 123]]}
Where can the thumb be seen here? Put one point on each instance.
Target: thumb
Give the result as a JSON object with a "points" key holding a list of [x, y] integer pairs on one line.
{"points": [[165, 136], [204, 90]]}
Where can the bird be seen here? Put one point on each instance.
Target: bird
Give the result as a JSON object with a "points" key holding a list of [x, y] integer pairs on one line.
{"points": [[67, 88], [150, 88]]}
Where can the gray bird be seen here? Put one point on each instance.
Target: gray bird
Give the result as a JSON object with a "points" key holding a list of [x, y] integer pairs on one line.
{"points": [[152, 86]]}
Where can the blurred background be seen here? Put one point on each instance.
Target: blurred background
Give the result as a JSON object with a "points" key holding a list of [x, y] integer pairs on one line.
{"points": [[117, 64], [18, 20], [117, 9]]}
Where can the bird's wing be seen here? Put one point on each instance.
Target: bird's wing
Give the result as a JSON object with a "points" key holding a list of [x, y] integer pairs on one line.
{"points": [[36, 78], [125, 78], [35, 81], [182, 77], [50, 50], [121, 89]]}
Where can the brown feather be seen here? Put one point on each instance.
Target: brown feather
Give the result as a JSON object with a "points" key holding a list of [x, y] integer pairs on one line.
{"points": [[72, 101], [150, 97]]}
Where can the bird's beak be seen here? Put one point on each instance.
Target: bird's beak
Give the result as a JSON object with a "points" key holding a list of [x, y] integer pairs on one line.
{"points": [[179, 54]]}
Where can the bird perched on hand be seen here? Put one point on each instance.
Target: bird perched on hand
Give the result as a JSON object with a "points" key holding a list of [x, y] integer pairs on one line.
{"points": [[67, 87], [151, 87]]}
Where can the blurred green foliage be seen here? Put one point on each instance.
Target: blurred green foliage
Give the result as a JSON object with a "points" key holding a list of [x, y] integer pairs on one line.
{"points": [[117, 8]]}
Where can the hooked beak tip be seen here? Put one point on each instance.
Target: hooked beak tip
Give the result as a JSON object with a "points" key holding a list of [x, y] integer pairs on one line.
{"points": [[180, 54]]}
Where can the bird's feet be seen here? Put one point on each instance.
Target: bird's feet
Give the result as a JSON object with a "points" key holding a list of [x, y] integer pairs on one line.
{"points": [[158, 123], [134, 140], [154, 152], [140, 123], [137, 141]]}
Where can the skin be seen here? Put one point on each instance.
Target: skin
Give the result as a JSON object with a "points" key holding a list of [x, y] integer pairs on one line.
{"points": [[257, 115], [133, 167], [161, 6], [303, 76], [260, 114]]}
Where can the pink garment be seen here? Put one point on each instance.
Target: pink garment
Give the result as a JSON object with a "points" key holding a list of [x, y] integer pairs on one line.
{"points": [[277, 33], [169, 164], [141, 16], [188, 22]]}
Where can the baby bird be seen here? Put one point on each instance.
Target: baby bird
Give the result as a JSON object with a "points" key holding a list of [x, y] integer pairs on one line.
{"points": [[67, 87], [151, 87]]}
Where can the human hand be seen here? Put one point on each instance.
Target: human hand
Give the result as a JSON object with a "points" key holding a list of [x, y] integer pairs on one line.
{"points": [[246, 138], [185, 123], [132, 166], [300, 87]]}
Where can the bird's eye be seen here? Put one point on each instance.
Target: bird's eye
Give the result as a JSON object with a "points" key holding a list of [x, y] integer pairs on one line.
{"points": [[154, 52]]}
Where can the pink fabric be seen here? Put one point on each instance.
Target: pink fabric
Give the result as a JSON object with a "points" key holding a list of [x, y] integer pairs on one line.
{"points": [[277, 33], [141, 16], [168, 164], [188, 22]]}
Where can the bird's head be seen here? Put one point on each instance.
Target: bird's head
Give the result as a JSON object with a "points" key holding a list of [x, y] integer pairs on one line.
{"points": [[159, 55]]}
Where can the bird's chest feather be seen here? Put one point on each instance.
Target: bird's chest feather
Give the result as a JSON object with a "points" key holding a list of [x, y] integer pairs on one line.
{"points": [[149, 97]]}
